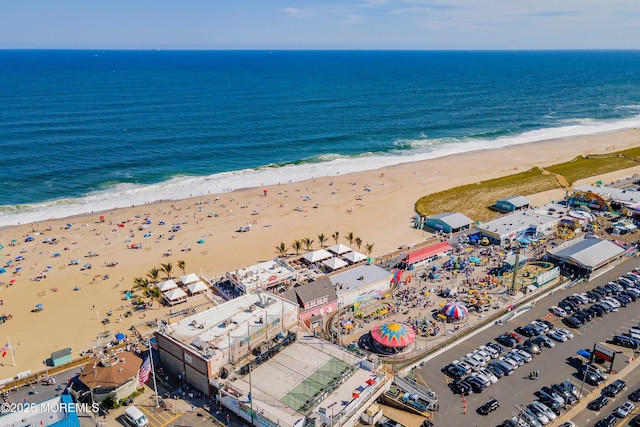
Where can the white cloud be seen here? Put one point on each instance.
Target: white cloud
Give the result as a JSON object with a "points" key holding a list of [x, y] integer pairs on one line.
{"points": [[293, 12], [351, 20]]}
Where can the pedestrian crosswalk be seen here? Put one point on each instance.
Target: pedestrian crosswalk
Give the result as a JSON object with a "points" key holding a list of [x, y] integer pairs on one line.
{"points": [[159, 417]]}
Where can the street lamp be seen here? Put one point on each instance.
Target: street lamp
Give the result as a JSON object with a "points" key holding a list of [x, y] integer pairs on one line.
{"points": [[331, 406]]}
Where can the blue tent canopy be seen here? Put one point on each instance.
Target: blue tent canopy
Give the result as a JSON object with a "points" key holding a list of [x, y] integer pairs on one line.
{"points": [[120, 336]]}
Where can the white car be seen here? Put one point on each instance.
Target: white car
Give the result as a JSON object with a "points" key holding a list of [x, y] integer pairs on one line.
{"points": [[491, 351], [624, 409], [464, 365], [582, 298], [515, 357], [544, 408], [555, 335], [558, 311], [484, 379], [475, 364], [613, 301], [565, 332], [485, 356], [511, 362], [523, 354], [539, 413], [477, 358], [487, 373]]}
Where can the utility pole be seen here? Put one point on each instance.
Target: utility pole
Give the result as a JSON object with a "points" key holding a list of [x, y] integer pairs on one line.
{"points": [[515, 271]]}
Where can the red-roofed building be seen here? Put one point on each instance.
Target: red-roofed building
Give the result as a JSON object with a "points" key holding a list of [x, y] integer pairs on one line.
{"points": [[427, 254]]}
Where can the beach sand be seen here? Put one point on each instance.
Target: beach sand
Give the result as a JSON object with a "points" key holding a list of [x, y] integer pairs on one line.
{"points": [[375, 205]]}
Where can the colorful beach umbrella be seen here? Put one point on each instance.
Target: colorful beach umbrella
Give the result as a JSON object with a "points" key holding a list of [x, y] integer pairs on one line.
{"points": [[393, 335], [455, 310]]}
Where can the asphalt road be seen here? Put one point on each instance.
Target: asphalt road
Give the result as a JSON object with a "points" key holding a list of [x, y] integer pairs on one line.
{"points": [[553, 364]]}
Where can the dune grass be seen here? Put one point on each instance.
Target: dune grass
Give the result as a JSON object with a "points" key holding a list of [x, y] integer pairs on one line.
{"points": [[474, 200]]}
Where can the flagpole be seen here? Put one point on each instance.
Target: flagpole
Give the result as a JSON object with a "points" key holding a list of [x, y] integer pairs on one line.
{"points": [[13, 361], [155, 386]]}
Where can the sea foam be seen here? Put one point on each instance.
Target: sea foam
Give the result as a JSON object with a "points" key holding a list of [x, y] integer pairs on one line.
{"points": [[179, 187]]}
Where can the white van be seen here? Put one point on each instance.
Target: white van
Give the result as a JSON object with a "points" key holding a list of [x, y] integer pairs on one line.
{"points": [[135, 417]]}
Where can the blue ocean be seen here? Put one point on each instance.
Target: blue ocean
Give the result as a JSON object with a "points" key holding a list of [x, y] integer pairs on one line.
{"points": [[84, 130]]}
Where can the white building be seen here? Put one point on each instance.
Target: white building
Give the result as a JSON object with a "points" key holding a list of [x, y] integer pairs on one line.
{"points": [[262, 276]]}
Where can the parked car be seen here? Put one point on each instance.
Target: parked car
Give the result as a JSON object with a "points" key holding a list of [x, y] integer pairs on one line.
{"points": [[547, 392], [543, 341], [624, 410], [572, 322], [557, 336], [614, 389], [506, 340], [544, 408], [490, 406], [477, 385], [454, 371], [567, 333], [625, 341], [539, 414], [523, 354], [496, 347], [608, 421], [598, 403], [590, 377], [635, 395], [565, 393], [461, 387], [507, 367], [531, 345]]}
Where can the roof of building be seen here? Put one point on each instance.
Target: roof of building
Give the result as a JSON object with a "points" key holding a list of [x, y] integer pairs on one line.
{"points": [[334, 263], [517, 201], [312, 291], [453, 219], [114, 372], [339, 249], [189, 278], [175, 294], [515, 223], [61, 353], [197, 287], [229, 323], [358, 277], [589, 253], [354, 257], [308, 368], [427, 252], [318, 255], [618, 194], [167, 285], [264, 274]]}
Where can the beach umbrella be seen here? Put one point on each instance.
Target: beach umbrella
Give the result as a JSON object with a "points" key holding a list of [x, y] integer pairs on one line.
{"points": [[161, 222], [200, 242], [393, 335], [3, 270], [120, 336], [39, 306], [455, 310], [18, 268], [12, 281], [19, 258]]}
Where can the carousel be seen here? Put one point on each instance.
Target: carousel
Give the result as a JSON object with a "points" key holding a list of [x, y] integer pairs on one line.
{"points": [[392, 338], [454, 311]]}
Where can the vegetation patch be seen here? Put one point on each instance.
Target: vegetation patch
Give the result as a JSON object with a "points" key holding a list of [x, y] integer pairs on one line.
{"points": [[585, 167], [474, 200]]}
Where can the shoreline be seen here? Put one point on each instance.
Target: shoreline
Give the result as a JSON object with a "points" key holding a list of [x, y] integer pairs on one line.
{"points": [[375, 205], [48, 206]]}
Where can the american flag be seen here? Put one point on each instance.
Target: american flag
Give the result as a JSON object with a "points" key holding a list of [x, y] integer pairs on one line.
{"points": [[145, 370]]}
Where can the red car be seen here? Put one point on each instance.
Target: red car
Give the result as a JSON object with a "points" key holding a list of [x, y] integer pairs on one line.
{"points": [[514, 336]]}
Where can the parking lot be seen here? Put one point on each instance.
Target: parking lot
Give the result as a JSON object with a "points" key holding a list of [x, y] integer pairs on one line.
{"points": [[554, 365]]}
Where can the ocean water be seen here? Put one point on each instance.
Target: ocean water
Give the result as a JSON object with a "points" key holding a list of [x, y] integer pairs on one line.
{"points": [[84, 131]]}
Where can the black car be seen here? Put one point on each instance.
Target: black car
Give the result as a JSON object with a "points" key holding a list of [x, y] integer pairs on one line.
{"points": [[598, 403], [624, 341], [461, 387], [531, 347], [496, 370], [566, 307], [623, 301], [477, 385], [454, 371], [630, 295], [552, 404], [608, 421], [572, 322], [635, 422], [490, 406], [614, 389], [586, 313], [506, 340], [598, 310], [590, 377], [635, 395], [527, 331]]}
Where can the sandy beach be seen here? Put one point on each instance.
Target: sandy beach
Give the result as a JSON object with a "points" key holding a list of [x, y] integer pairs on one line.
{"points": [[376, 206]]}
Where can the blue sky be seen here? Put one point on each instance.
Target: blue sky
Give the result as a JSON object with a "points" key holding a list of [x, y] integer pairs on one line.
{"points": [[280, 24]]}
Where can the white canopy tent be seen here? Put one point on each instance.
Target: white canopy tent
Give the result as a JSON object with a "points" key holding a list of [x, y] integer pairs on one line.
{"points": [[339, 249], [167, 285], [334, 263], [354, 257], [175, 296], [189, 278], [316, 256], [197, 288]]}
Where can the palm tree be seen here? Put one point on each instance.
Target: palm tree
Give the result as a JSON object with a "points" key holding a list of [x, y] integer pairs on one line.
{"points": [[307, 242], [350, 238], [335, 236], [182, 265], [296, 246], [153, 274], [321, 239], [167, 269], [139, 282], [153, 293], [368, 249], [282, 249], [358, 242]]}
